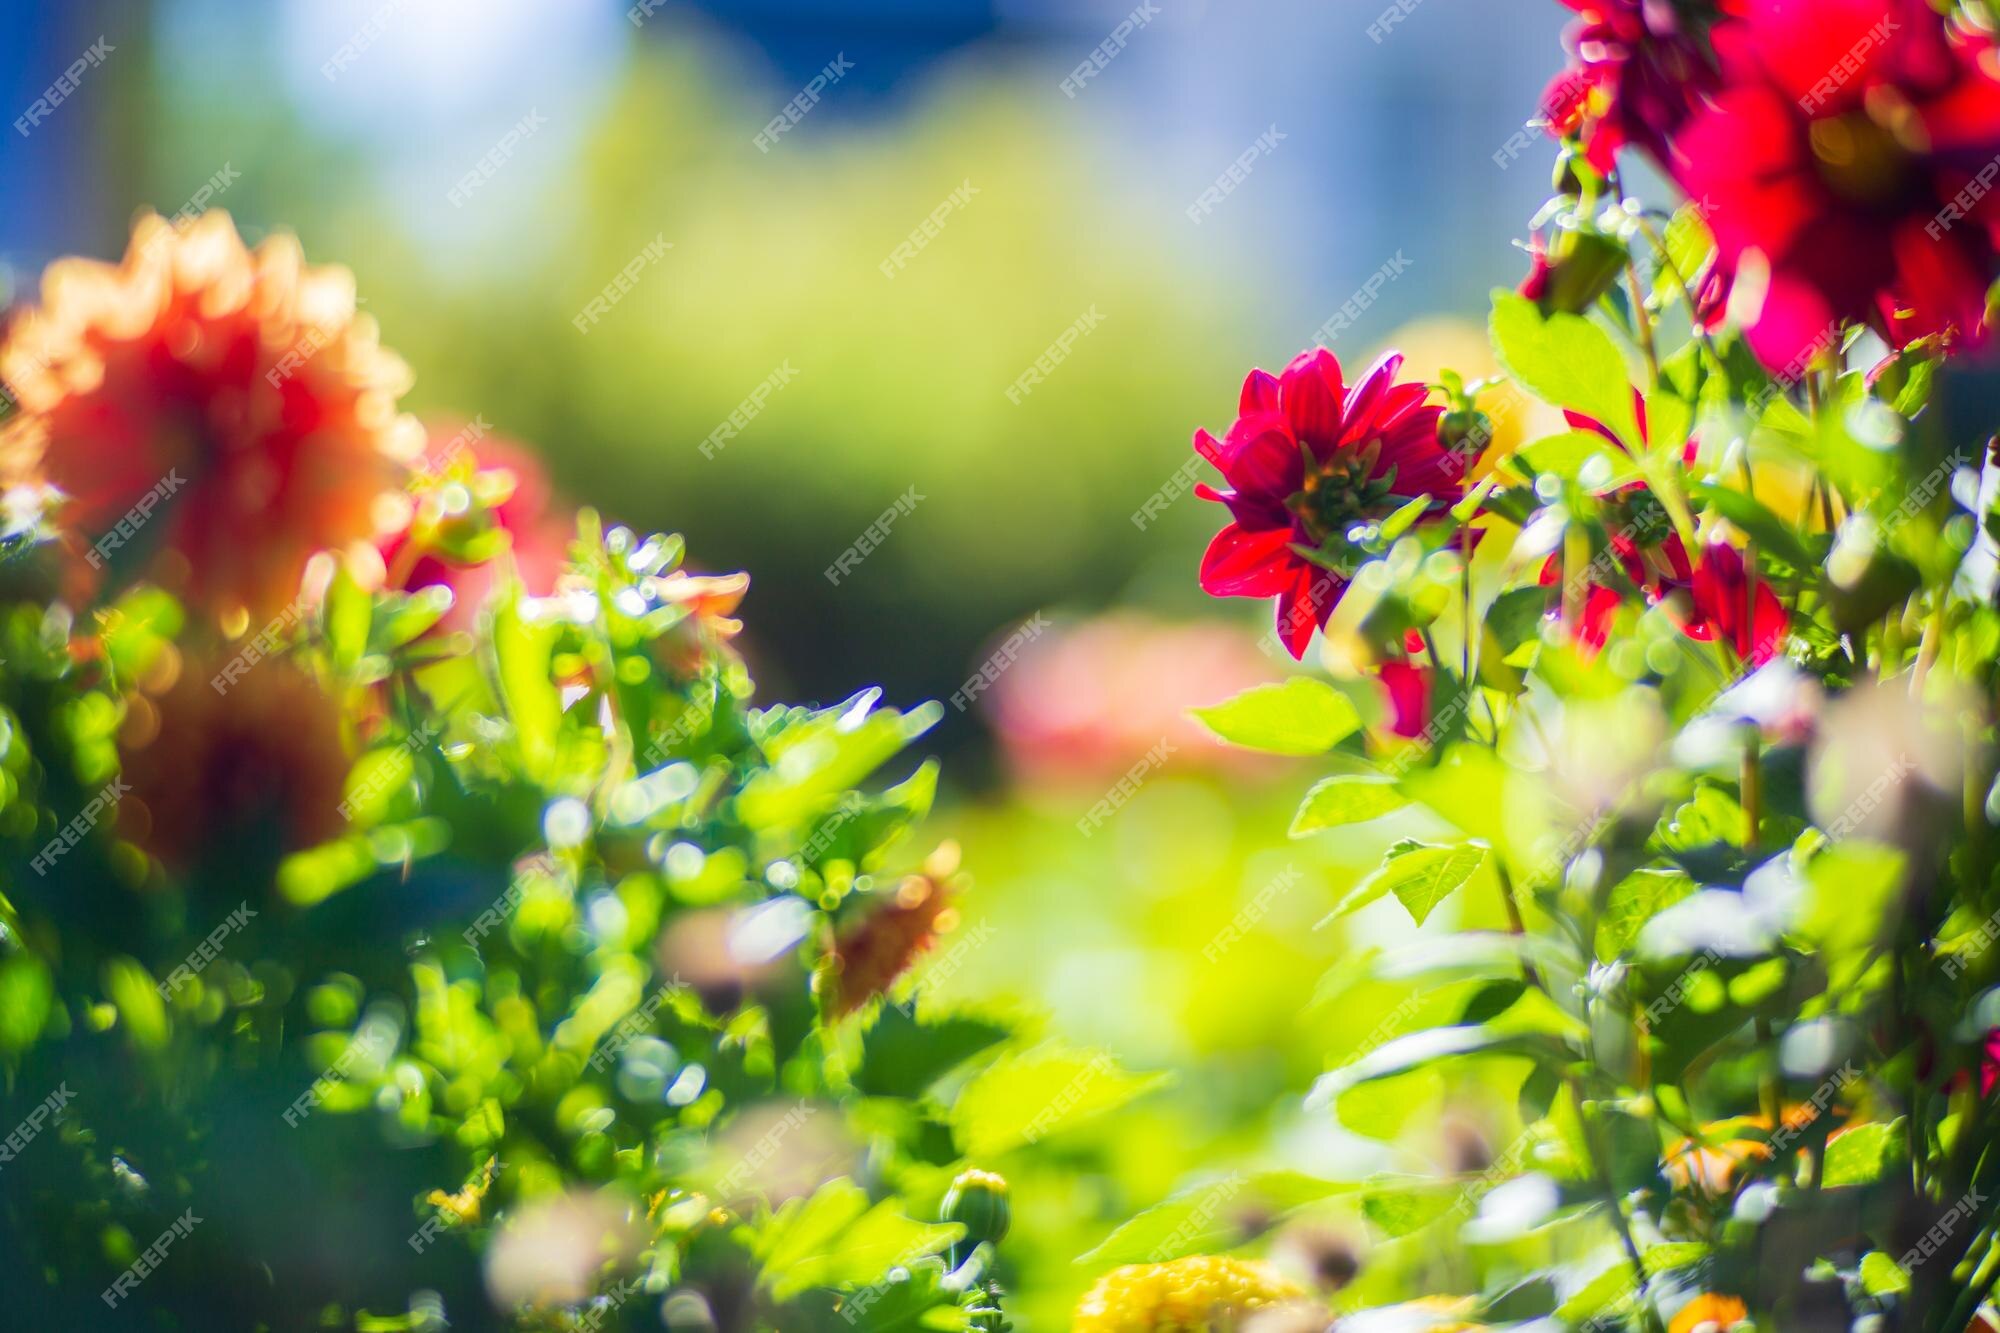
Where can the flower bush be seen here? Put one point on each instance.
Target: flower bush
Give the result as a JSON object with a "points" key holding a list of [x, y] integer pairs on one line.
{"points": [[1704, 702], [410, 917]]}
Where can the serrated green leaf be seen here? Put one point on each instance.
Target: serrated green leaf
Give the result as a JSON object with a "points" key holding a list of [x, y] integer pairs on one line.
{"points": [[1427, 874], [1861, 1155], [1565, 360]]}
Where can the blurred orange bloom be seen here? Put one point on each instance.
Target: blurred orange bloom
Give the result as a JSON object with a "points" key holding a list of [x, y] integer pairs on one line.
{"points": [[237, 389], [1714, 1169], [1709, 1314]]}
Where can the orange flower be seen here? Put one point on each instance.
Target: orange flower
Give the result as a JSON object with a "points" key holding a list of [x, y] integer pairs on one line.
{"points": [[1714, 1169], [236, 388], [1709, 1314]]}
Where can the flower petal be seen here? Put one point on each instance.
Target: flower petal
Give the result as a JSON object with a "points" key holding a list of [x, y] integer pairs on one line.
{"points": [[1310, 391], [1241, 563]]}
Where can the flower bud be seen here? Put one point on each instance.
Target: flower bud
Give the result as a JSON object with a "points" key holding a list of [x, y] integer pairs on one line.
{"points": [[1574, 270], [977, 1200]]}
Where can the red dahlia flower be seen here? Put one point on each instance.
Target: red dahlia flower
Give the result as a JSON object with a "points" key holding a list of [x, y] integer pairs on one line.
{"points": [[1306, 462], [1640, 68], [1846, 169]]}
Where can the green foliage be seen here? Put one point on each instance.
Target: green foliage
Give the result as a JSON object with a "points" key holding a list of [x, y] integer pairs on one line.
{"points": [[607, 882]]}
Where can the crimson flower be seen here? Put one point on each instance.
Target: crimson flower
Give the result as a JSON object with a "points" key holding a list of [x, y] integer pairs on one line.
{"points": [[1406, 686], [1640, 68], [1844, 166], [1713, 598], [1307, 461]]}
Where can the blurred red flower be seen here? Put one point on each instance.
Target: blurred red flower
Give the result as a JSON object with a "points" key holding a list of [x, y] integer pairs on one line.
{"points": [[1640, 67], [1082, 702], [238, 388], [1306, 461], [1846, 168], [449, 542]]}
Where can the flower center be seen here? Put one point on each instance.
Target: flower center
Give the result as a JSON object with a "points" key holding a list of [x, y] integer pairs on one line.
{"points": [[1342, 491], [1866, 156]]}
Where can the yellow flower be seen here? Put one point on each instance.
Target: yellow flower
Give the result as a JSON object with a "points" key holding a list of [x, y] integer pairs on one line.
{"points": [[1199, 1294]]}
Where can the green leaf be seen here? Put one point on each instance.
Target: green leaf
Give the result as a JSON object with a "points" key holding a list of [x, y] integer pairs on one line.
{"points": [[1611, 1291], [1570, 453], [1298, 716], [1882, 1276], [409, 616], [347, 612], [1422, 875], [1402, 1206], [1025, 1097], [1853, 895], [1634, 901], [836, 1239], [1863, 1154], [1402, 1055], [818, 759], [902, 1056], [25, 996], [1205, 1219], [1688, 245], [1516, 617], [1346, 800], [131, 988], [1665, 1258], [1566, 360], [1669, 421], [524, 654], [1399, 522]]}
